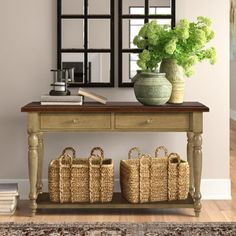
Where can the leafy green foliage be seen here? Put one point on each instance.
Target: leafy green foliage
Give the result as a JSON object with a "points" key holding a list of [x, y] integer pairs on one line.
{"points": [[185, 43]]}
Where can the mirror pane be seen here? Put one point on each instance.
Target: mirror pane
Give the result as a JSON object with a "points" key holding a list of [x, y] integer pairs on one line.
{"points": [[131, 28], [162, 21], [99, 7], [160, 7], [99, 67], [76, 61], [99, 34], [72, 33], [130, 66], [133, 7], [72, 7]]}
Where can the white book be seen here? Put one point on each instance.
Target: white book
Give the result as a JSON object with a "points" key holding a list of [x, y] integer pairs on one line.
{"points": [[6, 203], [71, 98], [8, 208], [8, 197], [93, 96], [8, 211], [63, 103], [10, 189]]}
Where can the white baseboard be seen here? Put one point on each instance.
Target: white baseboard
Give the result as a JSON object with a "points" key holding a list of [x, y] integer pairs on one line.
{"points": [[212, 189], [216, 189], [233, 114]]}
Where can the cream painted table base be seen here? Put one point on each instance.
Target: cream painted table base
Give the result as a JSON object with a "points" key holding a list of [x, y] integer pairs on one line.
{"points": [[113, 117]]}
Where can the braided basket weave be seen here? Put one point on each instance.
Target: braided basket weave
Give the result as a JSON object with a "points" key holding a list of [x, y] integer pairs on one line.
{"points": [[159, 175], [92, 180], [178, 178], [144, 179], [81, 180], [59, 177]]}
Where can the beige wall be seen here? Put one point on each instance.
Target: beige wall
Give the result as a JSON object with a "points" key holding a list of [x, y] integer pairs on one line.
{"points": [[233, 61], [28, 52], [233, 88]]}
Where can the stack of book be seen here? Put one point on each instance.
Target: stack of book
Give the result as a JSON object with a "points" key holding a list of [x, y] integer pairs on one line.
{"points": [[61, 100], [72, 99], [8, 198]]}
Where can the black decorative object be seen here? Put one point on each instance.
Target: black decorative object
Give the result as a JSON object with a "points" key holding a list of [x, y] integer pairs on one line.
{"points": [[60, 81]]}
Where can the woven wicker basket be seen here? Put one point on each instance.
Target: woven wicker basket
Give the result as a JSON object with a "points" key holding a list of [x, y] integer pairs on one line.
{"points": [[81, 180], [59, 177], [144, 179], [178, 178], [92, 180]]}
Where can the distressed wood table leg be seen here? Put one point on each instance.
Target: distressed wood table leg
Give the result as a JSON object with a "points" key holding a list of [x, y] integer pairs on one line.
{"points": [[197, 169], [190, 137], [40, 163], [33, 159]]}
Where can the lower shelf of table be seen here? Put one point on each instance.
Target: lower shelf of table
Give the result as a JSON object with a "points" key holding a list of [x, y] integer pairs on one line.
{"points": [[118, 202]]}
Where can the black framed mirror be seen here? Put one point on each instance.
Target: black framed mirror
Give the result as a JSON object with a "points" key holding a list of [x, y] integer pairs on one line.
{"points": [[133, 14], [85, 41]]}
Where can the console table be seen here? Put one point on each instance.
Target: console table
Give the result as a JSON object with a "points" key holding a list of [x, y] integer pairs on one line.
{"points": [[112, 117]]}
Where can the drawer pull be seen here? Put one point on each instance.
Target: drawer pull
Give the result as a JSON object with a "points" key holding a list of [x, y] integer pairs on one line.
{"points": [[149, 121], [75, 121]]}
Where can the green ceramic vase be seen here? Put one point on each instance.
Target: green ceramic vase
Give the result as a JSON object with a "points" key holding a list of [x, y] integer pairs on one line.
{"points": [[151, 88], [175, 74]]}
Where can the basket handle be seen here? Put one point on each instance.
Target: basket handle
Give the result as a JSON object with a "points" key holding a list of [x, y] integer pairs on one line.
{"points": [[66, 156], [64, 153], [161, 148], [174, 156], [99, 156], [143, 157], [132, 150]]}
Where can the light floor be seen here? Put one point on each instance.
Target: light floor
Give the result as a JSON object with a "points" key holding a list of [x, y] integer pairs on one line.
{"points": [[211, 211]]}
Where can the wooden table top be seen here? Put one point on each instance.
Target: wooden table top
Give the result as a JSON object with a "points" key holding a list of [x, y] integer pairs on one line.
{"points": [[124, 107]]}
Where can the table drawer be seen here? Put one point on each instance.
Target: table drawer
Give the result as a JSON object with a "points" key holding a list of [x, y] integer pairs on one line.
{"points": [[75, 121], [152, 122]]}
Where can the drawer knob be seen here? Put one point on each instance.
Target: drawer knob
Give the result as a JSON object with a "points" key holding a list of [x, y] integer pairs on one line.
{"points": [[149, 121], [75, 121]]}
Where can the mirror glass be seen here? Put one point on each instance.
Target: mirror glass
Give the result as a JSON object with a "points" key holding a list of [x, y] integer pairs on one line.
{"points": [[131, 28], [162, 21], [102, 8], [72, 33], [129, 66], [133, 15], [72, 7], [99, 33], [86, 41], [76, 61], [99, 67], [133, 7], [160, 7]]}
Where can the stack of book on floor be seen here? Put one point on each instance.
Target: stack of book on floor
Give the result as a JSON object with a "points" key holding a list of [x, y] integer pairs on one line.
{"points": [[8, 198], [62, 100]]}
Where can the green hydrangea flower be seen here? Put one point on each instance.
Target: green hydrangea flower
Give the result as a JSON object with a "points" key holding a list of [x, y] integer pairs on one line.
{"points": [[171, 46], [185, 43]]}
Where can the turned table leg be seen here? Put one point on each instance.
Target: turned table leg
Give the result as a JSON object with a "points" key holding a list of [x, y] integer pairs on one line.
{"points": [[33, 142], [40, 163], [197, 169], [190, 136]]}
